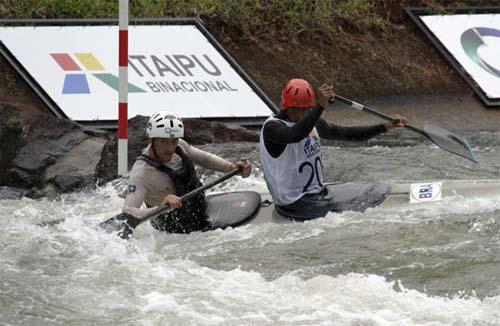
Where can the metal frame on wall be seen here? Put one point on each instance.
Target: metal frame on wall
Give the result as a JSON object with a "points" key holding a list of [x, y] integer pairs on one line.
{"points": [[111, 124], [416, 13]]}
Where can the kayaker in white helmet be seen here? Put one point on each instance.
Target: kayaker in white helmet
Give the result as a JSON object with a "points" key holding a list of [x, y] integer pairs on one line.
{"points": [[290, 149], [166, 170]]}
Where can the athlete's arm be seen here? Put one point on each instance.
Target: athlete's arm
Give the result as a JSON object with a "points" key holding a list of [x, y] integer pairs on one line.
{"points": [[279, 133], [205, 159], [328, 130], [134, 200], [135, 196]]}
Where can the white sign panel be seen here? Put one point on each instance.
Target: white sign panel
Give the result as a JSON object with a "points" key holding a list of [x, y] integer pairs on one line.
{"points": [[474, 41], [171, 67], [425, 192]]}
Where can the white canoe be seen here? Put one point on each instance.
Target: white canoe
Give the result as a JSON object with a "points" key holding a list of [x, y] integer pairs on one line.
{"points": [[232, 209], [400, 195]]}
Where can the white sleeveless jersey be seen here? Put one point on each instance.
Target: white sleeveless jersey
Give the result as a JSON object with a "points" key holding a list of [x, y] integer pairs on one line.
{"points": [[297, 171]]}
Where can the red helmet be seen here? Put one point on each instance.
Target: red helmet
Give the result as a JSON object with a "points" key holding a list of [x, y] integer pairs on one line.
{"points": [[297, 93]]}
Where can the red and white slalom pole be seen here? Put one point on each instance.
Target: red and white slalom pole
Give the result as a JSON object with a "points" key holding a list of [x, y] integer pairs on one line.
{"points": [[123, 91]]}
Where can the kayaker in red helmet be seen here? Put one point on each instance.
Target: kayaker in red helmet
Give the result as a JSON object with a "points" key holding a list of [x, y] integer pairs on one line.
{"points": [[290, 148]]}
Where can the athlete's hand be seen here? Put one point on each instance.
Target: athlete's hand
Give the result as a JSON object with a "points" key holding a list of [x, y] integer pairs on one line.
{"points": [[245, 166], [402, 121], [324, 93], [172, 200]]}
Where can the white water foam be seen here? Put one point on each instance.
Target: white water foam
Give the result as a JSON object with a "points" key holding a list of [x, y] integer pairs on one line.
{"points": [[245, 298], [74, 273]]}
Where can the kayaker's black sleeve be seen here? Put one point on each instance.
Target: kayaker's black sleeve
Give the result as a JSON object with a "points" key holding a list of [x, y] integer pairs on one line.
{"points": [[328, 130], [277, 135]]}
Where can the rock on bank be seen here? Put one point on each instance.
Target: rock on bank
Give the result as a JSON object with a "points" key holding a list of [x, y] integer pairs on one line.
{"points": [[41, 155]]}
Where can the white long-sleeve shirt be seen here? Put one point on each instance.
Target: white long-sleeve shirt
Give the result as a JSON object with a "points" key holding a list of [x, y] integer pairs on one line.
{"points": [[146, 184]]}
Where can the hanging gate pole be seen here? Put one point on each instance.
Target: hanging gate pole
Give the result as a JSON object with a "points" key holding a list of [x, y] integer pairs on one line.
{"points": [[122, 93]]}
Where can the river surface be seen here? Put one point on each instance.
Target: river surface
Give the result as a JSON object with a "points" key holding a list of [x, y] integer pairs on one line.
{"points": [[408, 266]]}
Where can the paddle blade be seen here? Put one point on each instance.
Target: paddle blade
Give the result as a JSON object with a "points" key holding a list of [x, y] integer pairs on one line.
{"points": [[449, 141], [122, 224]]}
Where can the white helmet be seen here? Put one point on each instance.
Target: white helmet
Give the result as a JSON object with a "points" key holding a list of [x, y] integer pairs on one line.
{"points": [[164, 124]]}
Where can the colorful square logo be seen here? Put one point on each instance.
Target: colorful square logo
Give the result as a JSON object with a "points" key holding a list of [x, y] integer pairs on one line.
{"points": [[75, 80]]}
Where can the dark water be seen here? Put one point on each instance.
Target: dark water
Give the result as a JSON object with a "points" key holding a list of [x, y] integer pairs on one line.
{"points": [[409, 266]]}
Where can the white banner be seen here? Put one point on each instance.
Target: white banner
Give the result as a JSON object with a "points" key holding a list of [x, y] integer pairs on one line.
{"points": [[171, 67], [474, 41]]}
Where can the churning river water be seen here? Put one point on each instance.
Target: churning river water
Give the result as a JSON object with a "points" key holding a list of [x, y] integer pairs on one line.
{"points": [[408, 266]]}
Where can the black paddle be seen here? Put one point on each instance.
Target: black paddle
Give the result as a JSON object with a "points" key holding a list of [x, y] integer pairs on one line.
{"points": [[124, 224], [443, 138]]}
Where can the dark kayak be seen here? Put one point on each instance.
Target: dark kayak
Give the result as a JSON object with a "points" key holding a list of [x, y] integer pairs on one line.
{"points": [[237, 208], [231, 209], [350, 196]]}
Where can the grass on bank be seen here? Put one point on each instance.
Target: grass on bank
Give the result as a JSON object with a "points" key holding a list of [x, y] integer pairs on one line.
{"points": [[251, 17]]}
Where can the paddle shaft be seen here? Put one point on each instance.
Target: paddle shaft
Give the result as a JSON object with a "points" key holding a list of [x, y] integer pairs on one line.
{"points": [[376, 113]]}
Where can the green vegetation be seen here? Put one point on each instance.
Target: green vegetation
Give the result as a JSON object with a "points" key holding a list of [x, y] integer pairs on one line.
{"points": [[251, 17]]}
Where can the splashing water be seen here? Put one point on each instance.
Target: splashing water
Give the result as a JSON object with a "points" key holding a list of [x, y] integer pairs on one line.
{"points": [[401, 266]]}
